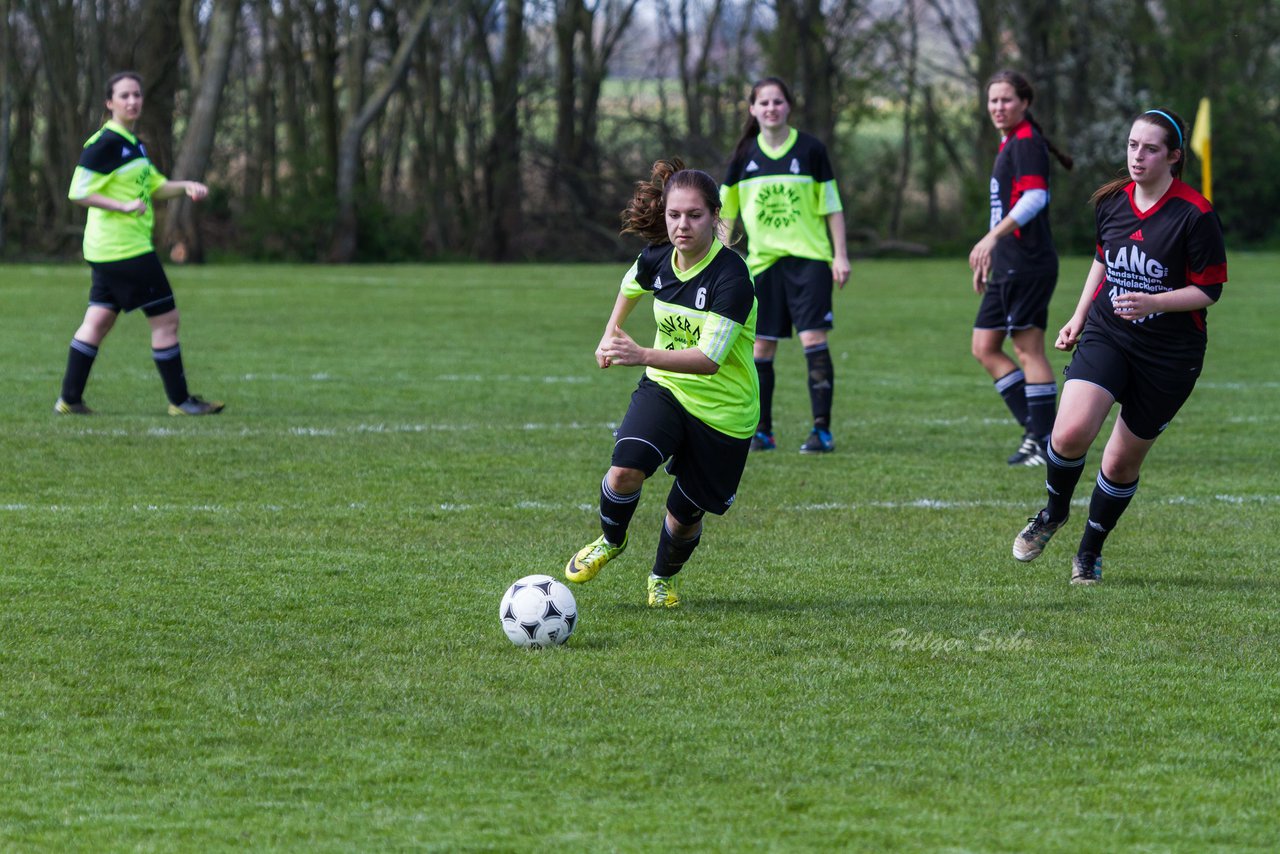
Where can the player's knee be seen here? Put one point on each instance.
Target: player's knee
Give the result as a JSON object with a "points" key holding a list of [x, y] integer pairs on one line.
{"points": [[684, 511], [1071, 439], [813, 338], [625, 481], [983, 350]]}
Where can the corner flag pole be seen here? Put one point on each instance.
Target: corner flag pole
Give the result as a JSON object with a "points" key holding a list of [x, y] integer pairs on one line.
{"points": [[1202, 145]]}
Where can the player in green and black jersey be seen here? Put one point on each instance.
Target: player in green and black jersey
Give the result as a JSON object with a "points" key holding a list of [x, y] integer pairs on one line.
{"points": [[697, 405], [781, 185], [1139, 333], [117, 182]]}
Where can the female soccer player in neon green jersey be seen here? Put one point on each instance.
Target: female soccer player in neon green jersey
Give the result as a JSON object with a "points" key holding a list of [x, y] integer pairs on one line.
{"points": [[780, 182], [697, 404], [116, 181]]}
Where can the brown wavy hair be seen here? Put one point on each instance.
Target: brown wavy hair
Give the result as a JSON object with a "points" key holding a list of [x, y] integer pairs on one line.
{"points": [[645, 214], [1022, 88]]}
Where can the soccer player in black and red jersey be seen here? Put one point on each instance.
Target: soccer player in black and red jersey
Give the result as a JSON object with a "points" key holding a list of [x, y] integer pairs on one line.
{"points": [[1138, 332], [1015, 266]]}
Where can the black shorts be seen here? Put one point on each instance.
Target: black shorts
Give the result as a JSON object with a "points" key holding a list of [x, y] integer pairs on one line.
{"points": [[1018, 303], [1150, 389], [137, 282], [706, 463], [793, 291]]}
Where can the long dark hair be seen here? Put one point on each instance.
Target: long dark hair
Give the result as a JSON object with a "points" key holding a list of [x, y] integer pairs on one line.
{"points": [[1175, 135], [117, 77], [1022, 88], [645, 214], [751, 129]]}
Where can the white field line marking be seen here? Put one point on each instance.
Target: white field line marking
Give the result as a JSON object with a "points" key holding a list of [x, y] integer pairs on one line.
{"points": [[482, 378], [537, 506]]}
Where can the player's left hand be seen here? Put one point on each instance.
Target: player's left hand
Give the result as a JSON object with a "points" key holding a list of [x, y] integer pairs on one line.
{"points": [[620, 349], [196, 191], [1133, 305], [840, 271], [980, 262]]}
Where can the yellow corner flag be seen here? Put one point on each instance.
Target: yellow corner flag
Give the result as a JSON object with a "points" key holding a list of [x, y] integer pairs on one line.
{"points": [[1202, 145]]}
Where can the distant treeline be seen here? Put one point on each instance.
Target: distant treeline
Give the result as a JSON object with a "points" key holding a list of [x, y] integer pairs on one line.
{"points": [[512, 129]]}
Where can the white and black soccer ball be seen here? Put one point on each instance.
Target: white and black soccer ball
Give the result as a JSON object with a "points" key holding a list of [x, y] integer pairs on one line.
{"points": [[538, 611]]}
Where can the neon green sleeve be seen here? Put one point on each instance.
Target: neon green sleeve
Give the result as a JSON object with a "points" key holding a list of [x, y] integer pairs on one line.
{"points": [[729, 204], [630, 284]]}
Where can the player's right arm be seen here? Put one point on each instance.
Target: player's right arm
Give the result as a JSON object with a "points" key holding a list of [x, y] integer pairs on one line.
{"points": [[97, 200], [622, 307], [1070, 334]]}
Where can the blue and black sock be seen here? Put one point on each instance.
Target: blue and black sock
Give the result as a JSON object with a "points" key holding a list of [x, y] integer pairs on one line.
{"points": [[616, 512], [1042, 407], [79, 363], [169, 364], [672, 552], [1061, 478], [1105, 508], [764, 367], [1013, 389], [822, 380]]}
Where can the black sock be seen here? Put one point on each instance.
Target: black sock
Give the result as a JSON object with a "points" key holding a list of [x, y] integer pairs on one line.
{"points": [[672, 553], [1042, 401], [616, 512], [169, 363], [1013, 388], [79, 362], [1061, 479], [822, 380], [1105, 507], [764, 367]]}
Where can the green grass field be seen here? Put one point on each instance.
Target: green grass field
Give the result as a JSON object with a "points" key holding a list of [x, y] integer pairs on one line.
{"points": [[277, 629]]}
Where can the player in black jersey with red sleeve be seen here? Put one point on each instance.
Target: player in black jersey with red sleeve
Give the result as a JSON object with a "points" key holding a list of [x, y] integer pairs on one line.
{"points": [[1015, 266], [1139, 334]]}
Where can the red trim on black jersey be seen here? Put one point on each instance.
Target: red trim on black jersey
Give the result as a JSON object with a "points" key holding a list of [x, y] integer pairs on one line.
{"points": [[1214, 274], [1022, 164], [1175, 243], [1177, 190]]}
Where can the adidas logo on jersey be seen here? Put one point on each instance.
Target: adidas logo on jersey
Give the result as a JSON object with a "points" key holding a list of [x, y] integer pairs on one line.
{"points": [[1137, 235], [795, 166], [657, 283], [127, 151], [752, 167]]}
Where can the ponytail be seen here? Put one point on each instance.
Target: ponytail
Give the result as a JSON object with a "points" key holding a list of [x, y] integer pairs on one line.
{"points": [[644, 214], [1065, 159]]}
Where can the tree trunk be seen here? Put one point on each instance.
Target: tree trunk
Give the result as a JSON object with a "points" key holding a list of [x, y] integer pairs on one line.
{"points": [[155, 55], [500, 177], [197, 146], [344, 240], [908, 56], [64, 127], [6, 107]]}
